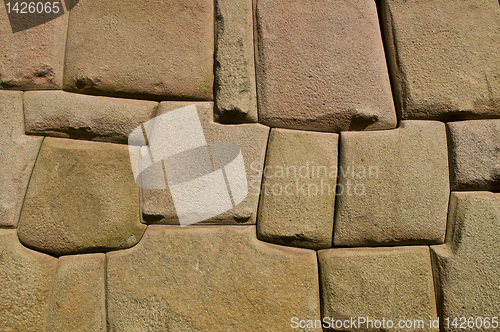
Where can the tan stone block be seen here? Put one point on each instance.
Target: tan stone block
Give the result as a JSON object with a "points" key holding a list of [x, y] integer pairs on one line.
{"points": [[322, 67], [26, 279], [146, 49], [210, 279], [82, 198], [17, 157], [78, 299], [298, 192], [390, 284], [443, 57], [467, 266], [393, 186], [157, 205], [73, 115], [475, 154], [235, 90]]}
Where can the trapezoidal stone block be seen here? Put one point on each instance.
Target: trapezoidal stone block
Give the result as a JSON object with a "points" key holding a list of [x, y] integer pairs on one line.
{"points": [[81, 198], [298, 192], [322, 67], [467, 266], [146, 49], [443, 57], [210, 279], [381, 285], [393, 186], [475, 154]]}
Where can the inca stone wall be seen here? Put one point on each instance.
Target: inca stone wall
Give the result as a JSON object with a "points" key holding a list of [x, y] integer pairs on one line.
{"points": [[360, 191]]}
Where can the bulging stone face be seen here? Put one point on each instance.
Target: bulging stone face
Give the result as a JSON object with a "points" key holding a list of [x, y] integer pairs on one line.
{"points": [[393, 186], [147, 49], [82, 198], [322, 67], [444, 59], [298, 192], [210, 279]]}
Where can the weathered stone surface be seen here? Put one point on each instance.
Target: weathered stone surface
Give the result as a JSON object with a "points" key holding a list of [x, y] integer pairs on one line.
{"points": [[378, 283], [78, 298], [475, 154], [210, 279], [443, 56], [235, 91], [147, 49], [158, 206], [26, 278], [82, 198], [31, 58], [393, 186], [298, 193], [73, 115], [17, 157], [467, 266], [313, 61]]}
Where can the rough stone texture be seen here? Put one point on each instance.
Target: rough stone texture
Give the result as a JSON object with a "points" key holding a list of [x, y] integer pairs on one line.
{"points": [[235, 91], [78, 298], [31, 58], [467, 266], [298, 193], [82, 198], [158, 206], [210, 279], [395, 186], [443, 57], [392, 283], [322, 67], [475, 154], [146, 49], [17, 157], [26, 280], [72, 115]]}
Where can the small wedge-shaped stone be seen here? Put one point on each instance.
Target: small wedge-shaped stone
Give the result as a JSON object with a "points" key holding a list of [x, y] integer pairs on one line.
{"points": [[475, 154], [322, 66], [210, 279], [444, 57], [26, 279], [378, 284], [78, 298], [17, 157], [73, 115], [298, 192], [393, 186], [146, 49], [82, 198], [467, 266]]}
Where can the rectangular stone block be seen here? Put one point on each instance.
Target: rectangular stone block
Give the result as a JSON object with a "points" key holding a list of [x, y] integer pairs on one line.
{"points": [[443, 57], [322, 67]]}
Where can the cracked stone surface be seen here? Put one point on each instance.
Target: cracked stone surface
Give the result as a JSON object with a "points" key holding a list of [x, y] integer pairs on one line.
{"points": [[210, 279], [82, 198]]}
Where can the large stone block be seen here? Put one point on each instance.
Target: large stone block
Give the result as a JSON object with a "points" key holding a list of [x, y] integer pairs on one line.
{"points": [[322, 67], [82, 198], [390, 284], [475, 154], [26, 280], [298, 193], [146, 49], [73, 115], [17, 157], [210, 279], [158, 205], [467, 266], [443, 57], [393, 186]]}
